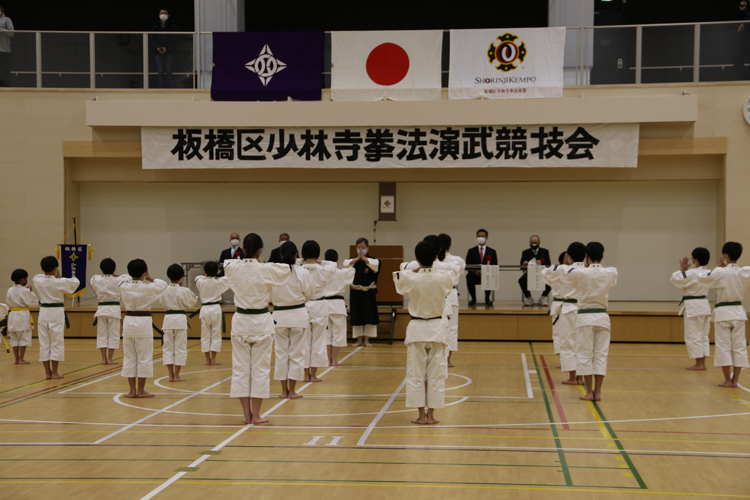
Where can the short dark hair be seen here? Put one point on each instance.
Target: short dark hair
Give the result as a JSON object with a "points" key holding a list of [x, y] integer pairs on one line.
{"points": [[287, 252], [19, 274], [107, 266], [137, 268], [363, 240], [445, 241], [310, 250], [425, 253], [483, 231], [595, 251], [252, 243], [283, 234], [733, 249], [577, 251], [434, 240], [332, 255], [211, 268], [561, 258], [702, 255], [175, 272], [49, 264]]}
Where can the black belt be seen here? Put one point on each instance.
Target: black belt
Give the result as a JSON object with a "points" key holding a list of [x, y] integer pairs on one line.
{"points": [[592, 311], [333, 297], [170, 311], [691, 297], [109, 303], [426, 319], [567, 301], [217, 303], [252, 311], [138, 313], [58, 304], [725, 304], [287, 308]]}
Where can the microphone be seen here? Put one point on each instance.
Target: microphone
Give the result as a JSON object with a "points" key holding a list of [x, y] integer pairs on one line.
{"points": [[374, 225]]}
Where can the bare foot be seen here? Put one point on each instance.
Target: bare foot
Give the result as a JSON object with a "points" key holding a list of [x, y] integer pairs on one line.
{"points": [[214, 363], [112, 362], [48, 377], [56, 375], [307, 378], [558, 366], [419, 421], [207, 363], [726, 383], [572, 381], [24, 362], [315, 379], [735, 384], [358, 344], [587, 397], [334, 363], [284, 395], [144, 394], [104, 362], [597, 397], [367, 344], [177, 379], [432, 421], [451, 365], [258, 420], [246, 421], [130, 395], [294, 395], [696, 367]]}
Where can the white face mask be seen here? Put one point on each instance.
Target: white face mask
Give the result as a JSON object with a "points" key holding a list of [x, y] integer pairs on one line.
{"points": [[481, 241], [235, 243], [163, 17], [363, 251]]}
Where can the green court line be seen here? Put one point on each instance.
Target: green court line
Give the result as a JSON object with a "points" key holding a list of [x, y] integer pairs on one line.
{"points": [[550, 416], [624, 454]]}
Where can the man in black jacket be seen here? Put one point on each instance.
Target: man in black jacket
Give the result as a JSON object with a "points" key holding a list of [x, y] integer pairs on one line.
{"points": [[480, 254], [275, 253], [163, 46], [541, 256], [234, 251]]}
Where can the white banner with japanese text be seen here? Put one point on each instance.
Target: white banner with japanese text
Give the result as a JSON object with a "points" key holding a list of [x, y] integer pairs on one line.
{"points": [[584, 145]]}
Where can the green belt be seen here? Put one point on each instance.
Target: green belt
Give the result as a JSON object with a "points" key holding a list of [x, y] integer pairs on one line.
{"points": [[724, 304], [252, 311], [58, 304], [287, 308], [592, 311], [567, 301], [691, 297], [223, 321], [96, 320], [332, 297]]}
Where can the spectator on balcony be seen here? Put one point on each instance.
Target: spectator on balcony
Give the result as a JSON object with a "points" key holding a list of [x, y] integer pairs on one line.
{"points": [[6, 31], [742, 50], [163, 44]]}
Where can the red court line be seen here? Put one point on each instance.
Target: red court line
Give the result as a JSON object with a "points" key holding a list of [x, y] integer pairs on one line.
{"points": [[59, 386], [554, 395]]}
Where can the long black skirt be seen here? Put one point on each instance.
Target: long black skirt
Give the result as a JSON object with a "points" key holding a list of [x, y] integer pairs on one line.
{"points": [[364, 307]]}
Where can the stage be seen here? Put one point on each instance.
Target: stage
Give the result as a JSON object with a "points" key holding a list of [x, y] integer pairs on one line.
{"points": [[632, 321]]}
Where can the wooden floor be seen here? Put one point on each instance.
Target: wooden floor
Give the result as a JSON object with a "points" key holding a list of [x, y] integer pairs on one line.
{"points": [[511, 430]]}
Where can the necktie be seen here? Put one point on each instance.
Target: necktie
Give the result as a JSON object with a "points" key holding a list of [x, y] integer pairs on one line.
{"points": [[481, 255]]}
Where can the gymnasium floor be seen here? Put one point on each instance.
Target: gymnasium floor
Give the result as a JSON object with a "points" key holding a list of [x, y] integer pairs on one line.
{"points": [[511, 430]]}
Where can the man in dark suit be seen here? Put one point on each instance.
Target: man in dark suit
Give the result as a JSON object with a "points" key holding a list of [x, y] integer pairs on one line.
{"points": [[541, 256], [275, 253], [234, 251], [480, 254]]}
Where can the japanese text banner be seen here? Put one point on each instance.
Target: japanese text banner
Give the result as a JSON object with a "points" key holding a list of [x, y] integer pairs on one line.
{"points": [[585, 145]]}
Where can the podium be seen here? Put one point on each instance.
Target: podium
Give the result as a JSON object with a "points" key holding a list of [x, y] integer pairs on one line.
{"points": [[390, 257]]}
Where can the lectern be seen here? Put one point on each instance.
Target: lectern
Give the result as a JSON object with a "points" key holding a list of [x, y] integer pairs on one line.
{"points": [[390, 257]]}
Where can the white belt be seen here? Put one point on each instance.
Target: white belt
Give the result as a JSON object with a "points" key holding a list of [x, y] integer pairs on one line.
{"points": [[361, 288]]}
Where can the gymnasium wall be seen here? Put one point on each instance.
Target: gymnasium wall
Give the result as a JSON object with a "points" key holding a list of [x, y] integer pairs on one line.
{"points": [[645, 226]]}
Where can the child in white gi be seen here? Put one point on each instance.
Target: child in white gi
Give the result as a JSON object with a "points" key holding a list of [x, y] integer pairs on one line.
{"points": [[591, 285], [108, 313], [252, 326], [137, 296], [19, 299], [426, 334], [176, 299], [316, 355], [694, 306], [51, 290], [211, 290], [731, 283], [363, 299], [292, 324], [565, 308], [336, 307], [446, 243]]}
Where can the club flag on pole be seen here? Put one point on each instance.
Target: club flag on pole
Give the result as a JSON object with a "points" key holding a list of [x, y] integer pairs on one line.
{"points": [[73, 265], [395, 65], [268, 66], [506, 63]]}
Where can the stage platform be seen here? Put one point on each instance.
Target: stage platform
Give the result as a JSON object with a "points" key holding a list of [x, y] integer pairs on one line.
{"points": [[506, 320]]}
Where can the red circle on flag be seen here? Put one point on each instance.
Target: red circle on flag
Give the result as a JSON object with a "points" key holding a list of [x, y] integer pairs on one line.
{"points": [[387, 64]]}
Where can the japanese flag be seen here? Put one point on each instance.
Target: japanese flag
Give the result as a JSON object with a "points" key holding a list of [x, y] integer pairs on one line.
{"points": [[376, 65]]}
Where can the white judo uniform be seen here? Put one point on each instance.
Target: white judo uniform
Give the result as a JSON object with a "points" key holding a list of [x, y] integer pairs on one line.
{"points": [[175, 300], [336, 306], [252, 324], [695, 310], [426, 335], [211, 291], [731, 284], [453, 300], [564, 311], [50, 330], [591, 287], [317, 310], [19, 299], [108, 313], [292, 325], [137, 297]]}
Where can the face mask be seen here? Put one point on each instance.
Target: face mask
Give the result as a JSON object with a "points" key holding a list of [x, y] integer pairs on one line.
{"points": [[363, 251], [482, 241], [163, 18], [534, 246], [235, 243]]}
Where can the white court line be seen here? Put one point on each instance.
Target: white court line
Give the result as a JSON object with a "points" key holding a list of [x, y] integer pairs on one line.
{"points": [[380, 414], [234, 436], [526, 373], [99, 379], [156, 412]]}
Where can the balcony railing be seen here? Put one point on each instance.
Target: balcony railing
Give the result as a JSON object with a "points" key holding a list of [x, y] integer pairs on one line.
{"points": [[600, 55]]}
